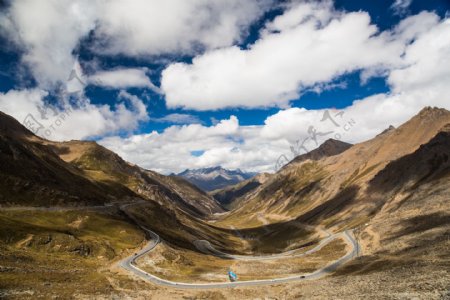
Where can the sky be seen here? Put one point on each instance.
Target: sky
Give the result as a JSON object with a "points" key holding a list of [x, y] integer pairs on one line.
{"points": [[176, 84]]}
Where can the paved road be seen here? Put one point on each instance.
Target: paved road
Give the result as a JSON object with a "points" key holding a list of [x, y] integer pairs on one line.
{"points": [[207, 248], [129, 264]]}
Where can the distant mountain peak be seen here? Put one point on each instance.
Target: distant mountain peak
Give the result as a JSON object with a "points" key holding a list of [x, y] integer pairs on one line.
{"points": [[212, 178]]}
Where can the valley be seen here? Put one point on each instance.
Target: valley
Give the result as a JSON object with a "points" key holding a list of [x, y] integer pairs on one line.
{"points": [[77, 221], [224, 150]]}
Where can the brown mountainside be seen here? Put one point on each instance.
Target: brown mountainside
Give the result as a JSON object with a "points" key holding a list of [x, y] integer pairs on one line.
{"points": [[333, 190], [329, 148], [232, 196], [44, 173]]}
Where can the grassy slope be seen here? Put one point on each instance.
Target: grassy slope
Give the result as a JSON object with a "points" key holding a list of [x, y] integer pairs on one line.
{"points": [[101, 164], [32, 174], [37, 172], [47, 252]]}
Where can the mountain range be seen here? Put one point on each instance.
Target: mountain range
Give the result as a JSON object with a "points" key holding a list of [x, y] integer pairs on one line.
{"points": [[214, 178], [70, 210], [339, 184], [230, 196]]}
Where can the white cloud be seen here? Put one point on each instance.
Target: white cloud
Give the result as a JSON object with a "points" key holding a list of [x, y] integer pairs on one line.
{"points": [[305, 48], [148, 27], [170, 150], [428, 60], [129, 118], [50, 31], [123, 78], [308, 45], [421, 80], [73, 122]]}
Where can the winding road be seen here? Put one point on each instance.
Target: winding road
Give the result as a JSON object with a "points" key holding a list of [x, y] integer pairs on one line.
{"points": [[129, 264], [206, 247]]}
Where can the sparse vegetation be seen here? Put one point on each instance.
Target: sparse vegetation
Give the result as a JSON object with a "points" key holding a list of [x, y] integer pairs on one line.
{"points": [[46, 252], [398, 209], [189, 266]]}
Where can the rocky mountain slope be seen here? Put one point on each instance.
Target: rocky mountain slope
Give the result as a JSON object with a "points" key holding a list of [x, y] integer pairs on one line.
{"points": [[33, 174], [329, 148], [102, 165], [334, 190], [70, 209], [407, 241], [391, 190], [209, 179], [40, 172], [230, 195]]}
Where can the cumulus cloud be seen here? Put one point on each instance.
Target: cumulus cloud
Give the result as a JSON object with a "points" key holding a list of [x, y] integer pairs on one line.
{"points": [[309, 44], [50, 31], [152, 27], [420, 80], [305, 48], [72, 122], [427, 58], [123, 78], [48, 35], [164, 151]]}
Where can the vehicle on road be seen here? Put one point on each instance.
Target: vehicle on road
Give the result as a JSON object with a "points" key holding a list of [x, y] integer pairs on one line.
{"points": [[129, 264], [232, 276]]}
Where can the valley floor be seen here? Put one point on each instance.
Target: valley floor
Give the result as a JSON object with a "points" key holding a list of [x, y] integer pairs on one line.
{"points": [[407, 281], [33, 266]]}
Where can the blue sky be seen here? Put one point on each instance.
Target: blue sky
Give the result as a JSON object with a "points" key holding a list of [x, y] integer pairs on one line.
{"points": [[176, 70]]}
